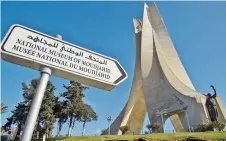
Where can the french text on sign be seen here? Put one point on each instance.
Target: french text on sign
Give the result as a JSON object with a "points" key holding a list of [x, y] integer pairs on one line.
{"points": [[34, 49]]}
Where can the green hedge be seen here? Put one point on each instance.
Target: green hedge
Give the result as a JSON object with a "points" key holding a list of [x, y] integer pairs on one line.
{"points": [[211, 126]]}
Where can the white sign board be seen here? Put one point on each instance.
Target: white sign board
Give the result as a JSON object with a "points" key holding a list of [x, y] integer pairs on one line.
{"points": [[30, 48]]}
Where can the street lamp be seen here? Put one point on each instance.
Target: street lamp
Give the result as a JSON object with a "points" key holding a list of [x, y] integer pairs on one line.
{"points": [[161, 113], [109, 120]]}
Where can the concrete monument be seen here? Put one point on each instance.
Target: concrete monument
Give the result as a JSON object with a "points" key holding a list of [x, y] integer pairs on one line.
{"points": [[161, 86]]}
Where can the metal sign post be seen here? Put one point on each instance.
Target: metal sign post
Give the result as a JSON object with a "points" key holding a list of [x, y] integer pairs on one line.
{"points": [[36, 103]]}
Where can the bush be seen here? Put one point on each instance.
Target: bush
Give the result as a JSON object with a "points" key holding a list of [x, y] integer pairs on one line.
{"points": [[155, 126], [205, 127], [211, 126], [124, 129], [218, 126], [103, 131]]}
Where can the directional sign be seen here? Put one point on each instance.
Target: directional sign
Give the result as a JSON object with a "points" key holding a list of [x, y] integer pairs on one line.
{"points": [[30, 48]]}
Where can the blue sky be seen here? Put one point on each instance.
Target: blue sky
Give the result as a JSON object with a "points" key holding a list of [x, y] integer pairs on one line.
{"points": [[197, 29]]}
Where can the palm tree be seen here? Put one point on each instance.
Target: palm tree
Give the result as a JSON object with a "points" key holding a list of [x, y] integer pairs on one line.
{"points": [[3, 108]]}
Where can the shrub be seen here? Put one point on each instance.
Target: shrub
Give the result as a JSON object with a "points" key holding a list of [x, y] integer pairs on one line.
{"points": [[202, 126], [205, 127], [103, 131], [218, 126], [124, 129], [155, 126], [210, 126]]}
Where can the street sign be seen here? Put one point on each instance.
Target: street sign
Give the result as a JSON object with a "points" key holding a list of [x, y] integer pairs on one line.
{"points": [[33, 49]]}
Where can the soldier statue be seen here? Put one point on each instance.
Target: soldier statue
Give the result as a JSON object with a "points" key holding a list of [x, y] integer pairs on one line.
{"points": [[211, 105]]}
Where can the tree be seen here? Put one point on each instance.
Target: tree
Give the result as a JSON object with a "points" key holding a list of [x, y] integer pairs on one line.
{"points": [[74, 103], [87, 115], [8, 124], [18, 118], [60, 113], [3, 108], [46, 118], [28, 94]]}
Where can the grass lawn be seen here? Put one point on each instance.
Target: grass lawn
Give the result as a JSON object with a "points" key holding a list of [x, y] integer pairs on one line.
{"points": [[210, 136]]}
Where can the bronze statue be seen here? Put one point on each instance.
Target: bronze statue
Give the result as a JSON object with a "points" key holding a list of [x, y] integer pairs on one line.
{"points": [[211, 105]]}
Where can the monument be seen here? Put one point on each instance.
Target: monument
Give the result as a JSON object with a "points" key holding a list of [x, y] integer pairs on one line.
{"points": [[161, 86]]}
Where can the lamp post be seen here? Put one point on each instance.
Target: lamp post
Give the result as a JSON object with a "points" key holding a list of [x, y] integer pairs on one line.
{"points": [[109, 121], [161, 113]]}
